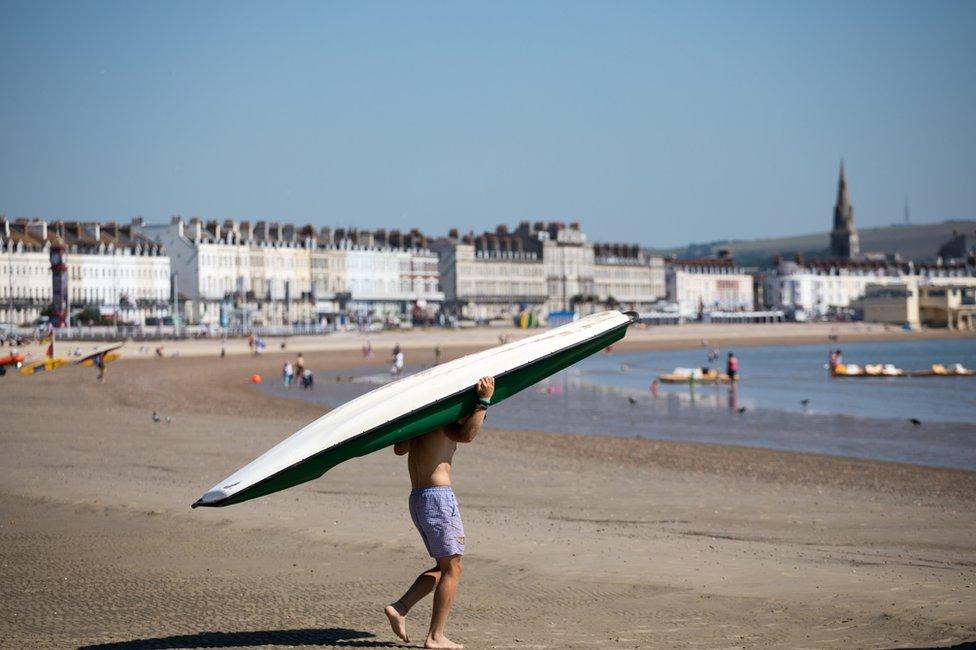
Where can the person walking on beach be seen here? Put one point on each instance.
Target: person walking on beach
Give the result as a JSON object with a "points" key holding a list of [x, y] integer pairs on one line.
{"points": [[397, 368], [300, 365], [99, 362], [434, 511], [287, 374], [732, 367]]}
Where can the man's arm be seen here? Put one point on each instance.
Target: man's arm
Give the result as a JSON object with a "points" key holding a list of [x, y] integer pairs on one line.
{"points": [[467, 430]]}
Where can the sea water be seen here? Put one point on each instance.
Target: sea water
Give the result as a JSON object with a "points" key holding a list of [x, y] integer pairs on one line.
{"points": [[785, 400], [795, 378]]}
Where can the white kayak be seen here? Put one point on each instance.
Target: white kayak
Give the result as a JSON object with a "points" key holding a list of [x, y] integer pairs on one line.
{"points": [[415, 405]]}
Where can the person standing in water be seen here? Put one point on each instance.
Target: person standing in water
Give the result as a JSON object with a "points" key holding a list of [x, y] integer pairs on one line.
{"points": [[434, 511], [732, 367]]}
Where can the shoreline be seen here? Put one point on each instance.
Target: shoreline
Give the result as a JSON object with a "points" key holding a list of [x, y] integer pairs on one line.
{"points": [[639, 337]]}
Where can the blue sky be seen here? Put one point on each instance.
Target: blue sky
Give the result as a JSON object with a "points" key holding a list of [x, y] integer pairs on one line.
{"points": [[660, 123]]}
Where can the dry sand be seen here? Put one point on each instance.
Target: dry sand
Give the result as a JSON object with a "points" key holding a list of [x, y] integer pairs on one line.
{"points": [[573, 542]]}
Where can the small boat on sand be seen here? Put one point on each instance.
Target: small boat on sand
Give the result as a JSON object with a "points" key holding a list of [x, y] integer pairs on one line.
{"points": [[939, 370], [698, 375]]}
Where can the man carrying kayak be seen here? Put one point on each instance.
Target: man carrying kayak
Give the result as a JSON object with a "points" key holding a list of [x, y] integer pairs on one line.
{"points": [[434, 511]]}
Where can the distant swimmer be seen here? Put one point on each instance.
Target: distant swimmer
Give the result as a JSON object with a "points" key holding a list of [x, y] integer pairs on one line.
{"points": [[434, 510]]}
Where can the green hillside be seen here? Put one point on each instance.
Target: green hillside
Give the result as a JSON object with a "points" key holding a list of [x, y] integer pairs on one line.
{"points": [[919, 242]]}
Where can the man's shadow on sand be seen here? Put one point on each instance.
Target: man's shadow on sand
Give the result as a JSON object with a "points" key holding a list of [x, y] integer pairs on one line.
{"points": [[334, 636]]}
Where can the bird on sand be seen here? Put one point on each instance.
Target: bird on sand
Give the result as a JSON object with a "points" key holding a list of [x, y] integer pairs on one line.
{"points": [[631, 400], [915, 421], [804, 403], [741, 410], [156, 418], [169, 420]]}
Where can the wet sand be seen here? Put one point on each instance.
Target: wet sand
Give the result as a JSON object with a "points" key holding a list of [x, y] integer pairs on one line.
{"points": [[573, 541]]}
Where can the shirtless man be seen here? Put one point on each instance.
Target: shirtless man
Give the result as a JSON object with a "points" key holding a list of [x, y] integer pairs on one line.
{"points": [[435, 513]]}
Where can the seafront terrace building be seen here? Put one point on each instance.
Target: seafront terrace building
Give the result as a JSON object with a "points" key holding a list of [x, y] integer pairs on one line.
{"points": [[238, 273], [699, 286], [627, 276], [25, 271], [541, 268], [933, 301], [490, 277], [116, 270], [389, 274], [814, 289], [112, 270]]}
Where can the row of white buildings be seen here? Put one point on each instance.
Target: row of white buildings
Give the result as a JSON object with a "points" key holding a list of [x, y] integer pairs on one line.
{"points": [[815, 289], [244, 274], [111, 268], [543, 268]]}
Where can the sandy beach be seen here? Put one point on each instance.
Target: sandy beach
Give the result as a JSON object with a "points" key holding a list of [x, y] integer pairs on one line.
{"points": [[573, 541], [689, 335]]}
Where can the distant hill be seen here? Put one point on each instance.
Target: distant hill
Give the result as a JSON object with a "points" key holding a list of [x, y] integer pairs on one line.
{"points": [[919, 242]]}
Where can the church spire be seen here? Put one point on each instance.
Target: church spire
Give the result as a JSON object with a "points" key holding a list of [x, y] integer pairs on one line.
{"points": [[844, 242]]}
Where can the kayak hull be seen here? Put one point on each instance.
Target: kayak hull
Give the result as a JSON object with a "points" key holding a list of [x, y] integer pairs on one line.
{"points": [[418, 422]]}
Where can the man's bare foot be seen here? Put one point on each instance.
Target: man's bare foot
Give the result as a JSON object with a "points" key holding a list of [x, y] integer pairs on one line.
{"points": [[442, 643], [398, 621]]}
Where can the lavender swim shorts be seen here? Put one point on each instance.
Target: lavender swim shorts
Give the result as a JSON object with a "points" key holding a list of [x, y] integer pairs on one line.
{"points": [[435, 513]]}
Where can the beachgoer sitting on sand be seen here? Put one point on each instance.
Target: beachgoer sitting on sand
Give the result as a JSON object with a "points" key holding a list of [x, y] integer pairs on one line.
{"points": [[435, 513]]}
